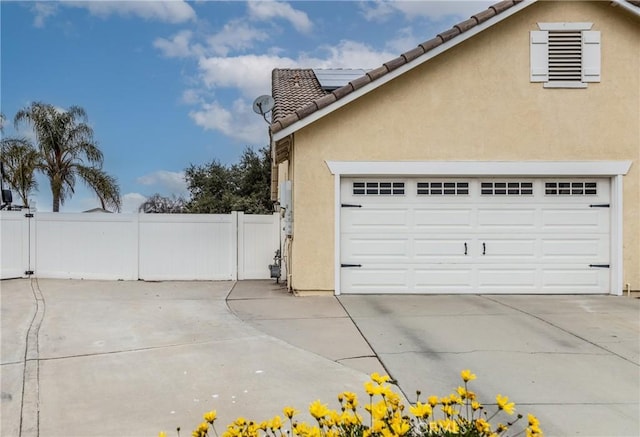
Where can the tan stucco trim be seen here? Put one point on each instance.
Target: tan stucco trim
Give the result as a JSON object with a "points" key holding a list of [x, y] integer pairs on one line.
{"points": [[481, 168]]}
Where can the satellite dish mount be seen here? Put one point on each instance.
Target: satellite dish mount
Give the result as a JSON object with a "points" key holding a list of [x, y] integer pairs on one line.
{"points": [[263, 105]]}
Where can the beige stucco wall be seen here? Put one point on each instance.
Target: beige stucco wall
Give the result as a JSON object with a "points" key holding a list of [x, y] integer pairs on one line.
{"points": [[475, 102]]}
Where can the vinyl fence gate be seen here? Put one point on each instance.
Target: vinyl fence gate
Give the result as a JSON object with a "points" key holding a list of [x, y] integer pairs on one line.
{"points": [[232, 246]]}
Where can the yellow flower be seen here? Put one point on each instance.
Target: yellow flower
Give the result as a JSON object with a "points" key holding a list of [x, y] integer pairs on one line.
{"points": [[318, 410], [240, 421], [467, 376], [162, 434], [210, 416], [476, 405], [372, 389], [351, 400], [455, 399], [505, 405], [501, 428], [421, 410], [449, 411], [275, 423], [433, 400], [533, 420], [483, 426], [201, 430], [378, 410], [462, 392], [449, 425], [376, 377], [400, 427], [289, 412], [531, 432], [300, 428]]}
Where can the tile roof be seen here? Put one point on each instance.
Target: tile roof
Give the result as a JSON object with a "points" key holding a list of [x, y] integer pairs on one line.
{"points": [[298, 94], [294, 88]]}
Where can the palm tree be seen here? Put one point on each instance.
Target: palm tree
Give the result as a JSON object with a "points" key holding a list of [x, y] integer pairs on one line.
{"points": [[20, 160], [67, 150]]}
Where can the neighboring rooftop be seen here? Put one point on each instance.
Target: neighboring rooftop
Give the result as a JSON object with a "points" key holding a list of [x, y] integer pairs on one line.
{"points": [[299, 93]]}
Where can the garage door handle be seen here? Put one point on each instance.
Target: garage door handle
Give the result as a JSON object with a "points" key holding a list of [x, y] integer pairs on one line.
{"points": [[602, 266], [465, 248], [350, 265], [484, 248]]}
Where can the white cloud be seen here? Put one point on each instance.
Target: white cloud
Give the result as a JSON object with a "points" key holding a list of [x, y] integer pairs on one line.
{"points": [[235, 35], [240, 122], [250, 74], [163, 181], [268, 10], [132, 201], [191, 96], [42, 11], [404, 40], [381, 10], [178, 46], [348, 54], [168, 11]]}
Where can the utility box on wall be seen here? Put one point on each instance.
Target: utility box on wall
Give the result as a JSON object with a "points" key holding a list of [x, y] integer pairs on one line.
{"points": [[286, 203]]}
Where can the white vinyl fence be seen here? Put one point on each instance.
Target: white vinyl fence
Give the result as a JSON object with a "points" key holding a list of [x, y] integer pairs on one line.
{"points": [[138, 246]]}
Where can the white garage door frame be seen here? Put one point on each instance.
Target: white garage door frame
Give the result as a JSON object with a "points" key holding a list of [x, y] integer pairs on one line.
{"points": [[615, 170]]}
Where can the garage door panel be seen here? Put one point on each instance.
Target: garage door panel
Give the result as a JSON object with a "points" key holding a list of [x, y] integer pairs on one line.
{"points": [[375, 219], [570, 279], [576, 220], [431, 220], [372, 247], [583, 247], [375, 278], [505, 219], [492, 249], [443, 278], [431, 249], [510, 277]]}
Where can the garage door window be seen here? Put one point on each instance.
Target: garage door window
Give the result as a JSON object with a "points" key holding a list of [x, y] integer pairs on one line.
{"points": [[371, 188], [570, 188], [443, 188], [506, 188]]}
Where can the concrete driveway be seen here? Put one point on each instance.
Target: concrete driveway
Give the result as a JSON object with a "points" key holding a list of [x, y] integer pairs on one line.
{"points": [[136, 358], [571, 360], [99, 358]]}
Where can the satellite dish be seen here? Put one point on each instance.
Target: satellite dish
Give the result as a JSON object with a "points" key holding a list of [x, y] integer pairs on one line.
{"points": [[263, 104]]}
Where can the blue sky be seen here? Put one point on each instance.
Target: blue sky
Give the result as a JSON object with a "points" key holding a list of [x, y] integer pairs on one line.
{"points": [[169, 84]]}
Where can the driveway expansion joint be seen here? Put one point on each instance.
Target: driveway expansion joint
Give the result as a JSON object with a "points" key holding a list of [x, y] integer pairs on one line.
{"points": [[30, 402]]}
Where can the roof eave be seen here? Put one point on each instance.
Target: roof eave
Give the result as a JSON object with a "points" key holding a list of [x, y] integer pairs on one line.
{"points": [[627, 7], [277, 136]]}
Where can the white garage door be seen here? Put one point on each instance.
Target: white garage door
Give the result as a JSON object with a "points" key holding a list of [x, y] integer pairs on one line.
{"points": [[462, 235]]}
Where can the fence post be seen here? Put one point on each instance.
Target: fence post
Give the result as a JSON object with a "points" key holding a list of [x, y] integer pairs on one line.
{"points": [[234, 244], [240, 246], [32, 241]]}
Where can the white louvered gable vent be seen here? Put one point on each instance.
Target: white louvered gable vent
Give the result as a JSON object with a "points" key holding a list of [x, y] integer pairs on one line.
{"points": [[565, 56]]}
